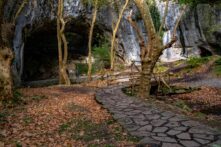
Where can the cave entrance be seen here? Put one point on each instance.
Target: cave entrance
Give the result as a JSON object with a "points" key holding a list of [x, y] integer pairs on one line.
{"points": [[40, 51], [40, 55]]}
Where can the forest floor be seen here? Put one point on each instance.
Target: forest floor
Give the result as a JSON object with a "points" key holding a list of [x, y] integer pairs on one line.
{"points": [[71, 116], [65, 116], [196, 89]]}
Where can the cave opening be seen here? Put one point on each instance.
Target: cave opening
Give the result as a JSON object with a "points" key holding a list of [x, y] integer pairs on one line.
{"points": [[41, 54]]}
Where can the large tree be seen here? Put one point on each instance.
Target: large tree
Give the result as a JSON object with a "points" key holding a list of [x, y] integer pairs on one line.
{"points": [[6, 54], [152, 50]]}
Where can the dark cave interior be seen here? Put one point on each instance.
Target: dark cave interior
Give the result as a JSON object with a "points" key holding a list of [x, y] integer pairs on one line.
{"points": [[40, 51]]}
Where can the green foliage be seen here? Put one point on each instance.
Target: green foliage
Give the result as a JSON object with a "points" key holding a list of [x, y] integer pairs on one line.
{"points": [[200, 115], [18, 144], [27, 120], [218, 61], [63, 127], [196, 61], [85, 130], [38, 97], [82, 68], [155, 14], [3, 117], [159, 68], [217, 67], [102, 56], [181, 104], [16, 100]]}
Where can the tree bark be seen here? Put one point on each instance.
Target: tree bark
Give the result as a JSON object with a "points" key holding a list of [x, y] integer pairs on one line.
{"points": [[90, 40], [151, 51], [6, 85], [115, 32], [145, 80], [62, 46], [6, 56], [164, 17]]}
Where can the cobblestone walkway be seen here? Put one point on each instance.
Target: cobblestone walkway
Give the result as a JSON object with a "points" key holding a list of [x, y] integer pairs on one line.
{"points": [[154, 126]]}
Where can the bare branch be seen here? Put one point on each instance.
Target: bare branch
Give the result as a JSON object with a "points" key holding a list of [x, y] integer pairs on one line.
{"points": [[20, 10], [90, 40], [135, 26], [170, 44], [178, 20], [115, 29], [164, 17], [174, 37], [145, 13], [139, 34]]}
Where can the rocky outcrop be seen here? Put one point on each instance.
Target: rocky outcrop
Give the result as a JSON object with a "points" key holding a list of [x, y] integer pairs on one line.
{"points": [[199, 30]]}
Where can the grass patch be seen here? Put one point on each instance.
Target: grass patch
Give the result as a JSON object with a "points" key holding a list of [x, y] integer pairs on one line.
{"points": [[159, 68], [38, 97], [17, 99], [3, 117], [86, 130], [217, 67], [64, 127], [200, 115], [73, 107], [27, 120], [130, 91], [194, 62], [181, 104]]}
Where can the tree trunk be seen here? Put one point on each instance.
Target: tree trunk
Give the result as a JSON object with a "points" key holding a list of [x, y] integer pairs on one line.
{"points": [[62, 46], [59, 42], [6, 85], [6, 56], [115, 32], [90, 41], [145, 79]]}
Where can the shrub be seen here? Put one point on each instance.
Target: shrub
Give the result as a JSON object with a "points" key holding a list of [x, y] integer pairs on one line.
{"points": [[82, 68], [102, 56]]}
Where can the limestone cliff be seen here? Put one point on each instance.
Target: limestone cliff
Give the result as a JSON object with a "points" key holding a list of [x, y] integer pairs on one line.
{"points": [[199, 30]]}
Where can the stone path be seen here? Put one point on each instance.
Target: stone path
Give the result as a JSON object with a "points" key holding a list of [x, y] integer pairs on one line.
{"points": [[153, 126]]}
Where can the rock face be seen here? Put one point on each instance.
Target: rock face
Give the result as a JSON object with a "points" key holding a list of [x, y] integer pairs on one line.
{"points": [[199, 30]]}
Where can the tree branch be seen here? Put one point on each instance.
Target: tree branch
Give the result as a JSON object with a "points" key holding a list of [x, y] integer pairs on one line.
{"points": [[139, 34], [178, 20], [134, 25], [174, 37], [170, 44], [145, 13], [164, 17]]}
